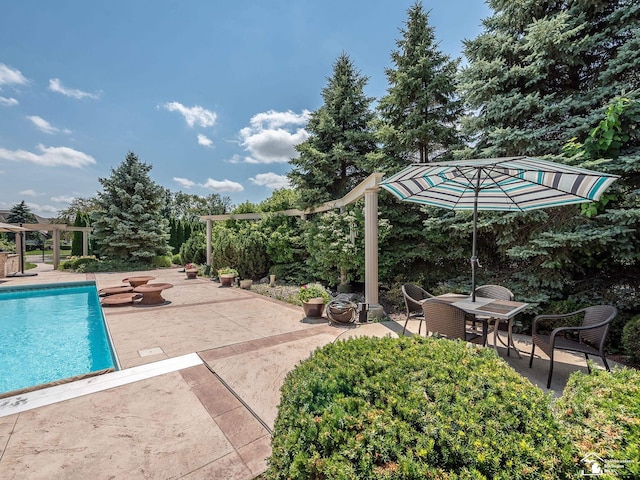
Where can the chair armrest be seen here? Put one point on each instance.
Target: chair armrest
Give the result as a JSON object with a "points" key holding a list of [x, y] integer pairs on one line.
{"points": [[560, 330], [553, 317]]}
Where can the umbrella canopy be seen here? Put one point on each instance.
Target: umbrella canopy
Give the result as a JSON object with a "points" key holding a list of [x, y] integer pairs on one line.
{"points": [[499, 184], [11, 227]]}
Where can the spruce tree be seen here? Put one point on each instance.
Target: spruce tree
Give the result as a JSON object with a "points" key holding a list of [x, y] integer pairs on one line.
{"points": [[129, 224], [542, 72], [418, 123], [21, 213], [421, 110], [333, 159]]}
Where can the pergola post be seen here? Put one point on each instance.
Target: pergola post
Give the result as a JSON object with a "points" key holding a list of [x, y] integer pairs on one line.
{"points": [[209, 242], [371, 251], [56, 248], [85, 243]]}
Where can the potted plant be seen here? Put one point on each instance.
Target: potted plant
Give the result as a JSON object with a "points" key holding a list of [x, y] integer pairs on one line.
{"points": [[226, 276], [191, 270], [313, 297]]}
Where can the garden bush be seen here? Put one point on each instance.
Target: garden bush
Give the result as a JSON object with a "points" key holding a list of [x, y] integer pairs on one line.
{"points": [[601, 413], [416, 407], [631, 339]]}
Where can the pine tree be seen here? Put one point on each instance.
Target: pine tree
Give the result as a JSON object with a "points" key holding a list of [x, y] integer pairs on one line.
{"points": [[21, 213], [542, 72], [129, 224], [421, 110], [332, 160]]}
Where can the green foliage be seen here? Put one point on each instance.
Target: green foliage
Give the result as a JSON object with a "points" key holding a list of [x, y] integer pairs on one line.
{"points": [[631, 339], [6, 245], [129, 224], [194, 250], [416, 407], [313, 290], [242, 246], [164, 261], [21, 213], [600, 412], [176, 259], [227, 271], [189, 208], [332, 160], [421, 109], [540, 72], [335, 244], [81, 220]]}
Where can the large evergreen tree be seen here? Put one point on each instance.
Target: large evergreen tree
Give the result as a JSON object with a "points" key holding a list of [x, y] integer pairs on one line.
{"points": [[420, 111], [129, 224], [418, 123], [332, 159], [541, 72]]}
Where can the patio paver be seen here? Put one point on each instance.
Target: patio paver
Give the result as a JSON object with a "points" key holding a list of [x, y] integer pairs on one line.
{"points": [[211, 420]]}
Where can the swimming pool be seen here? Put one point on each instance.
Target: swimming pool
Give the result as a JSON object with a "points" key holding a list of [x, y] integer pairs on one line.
{"points": [[51, 332]]}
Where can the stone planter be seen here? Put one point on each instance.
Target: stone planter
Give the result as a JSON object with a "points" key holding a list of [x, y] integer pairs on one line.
{"points": [[314, 307], [226, 279], [246, 284]]}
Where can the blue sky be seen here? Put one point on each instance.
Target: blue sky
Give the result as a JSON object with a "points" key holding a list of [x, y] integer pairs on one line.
{"points": [[212, 94]]}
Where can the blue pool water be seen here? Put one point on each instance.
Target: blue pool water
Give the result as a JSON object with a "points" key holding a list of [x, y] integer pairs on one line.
{"points": [[49, 333]]}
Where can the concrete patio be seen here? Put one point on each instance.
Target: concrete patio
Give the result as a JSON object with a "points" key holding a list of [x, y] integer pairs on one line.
{"points": [[198, 389]]}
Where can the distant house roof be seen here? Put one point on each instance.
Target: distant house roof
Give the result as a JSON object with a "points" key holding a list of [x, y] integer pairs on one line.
{"points": [[5, 213]]}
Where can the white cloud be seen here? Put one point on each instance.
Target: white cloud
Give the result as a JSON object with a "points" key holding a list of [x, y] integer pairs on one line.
{"points": [[55, 85], [184, 182], [196, 115], [11, 76], [272, 136], [42, 209], [49, 157], [223, 186], [30, 193], [204, 140], [271, 180], [63, 199], [8, 102], [45, 126]]}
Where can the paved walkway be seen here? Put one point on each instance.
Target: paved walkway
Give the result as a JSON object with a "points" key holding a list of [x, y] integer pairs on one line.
{"points": [[197, 393]]}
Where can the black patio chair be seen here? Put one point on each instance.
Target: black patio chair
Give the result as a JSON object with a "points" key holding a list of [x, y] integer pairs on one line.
{"points": [[592, 335], [413, 297], [447, 320]]}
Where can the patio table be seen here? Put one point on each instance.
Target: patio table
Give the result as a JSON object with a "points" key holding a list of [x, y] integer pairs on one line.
{"points": [[501, 310]]}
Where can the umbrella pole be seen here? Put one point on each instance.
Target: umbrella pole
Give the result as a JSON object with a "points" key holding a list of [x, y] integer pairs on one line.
{"points": [[474, 257]]}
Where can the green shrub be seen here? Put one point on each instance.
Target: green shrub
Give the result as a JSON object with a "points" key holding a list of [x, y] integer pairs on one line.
{"points": [[601, 414], [313, 290], [176, 259], [194, 250], [416, 407], [631, 339], [163, 261]]}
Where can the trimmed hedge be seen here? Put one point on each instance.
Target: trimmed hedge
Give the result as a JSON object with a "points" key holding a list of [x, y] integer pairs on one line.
{"points": [[416, 407], [601, 414]]}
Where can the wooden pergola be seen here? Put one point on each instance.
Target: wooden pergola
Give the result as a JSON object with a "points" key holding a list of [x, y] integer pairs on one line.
{"points": [[368, 189], [55, 229]]}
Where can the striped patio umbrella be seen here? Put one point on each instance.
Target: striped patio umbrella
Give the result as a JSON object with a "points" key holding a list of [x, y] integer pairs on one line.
{"points": [[499, 184]]}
